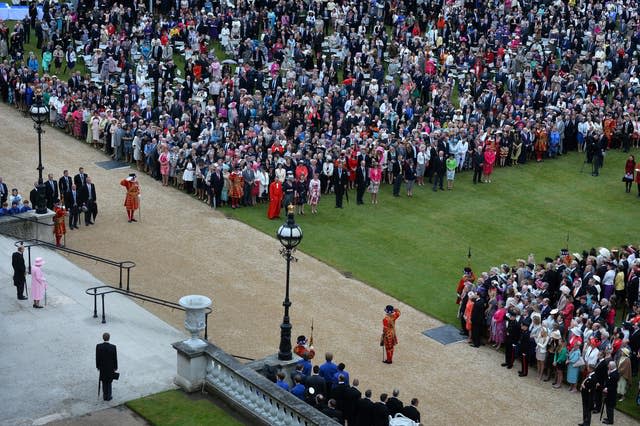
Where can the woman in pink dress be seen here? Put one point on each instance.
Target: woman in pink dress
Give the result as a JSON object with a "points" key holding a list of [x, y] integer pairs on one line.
{"points": [[165, 164], [498, 325], [375, 176], [38, 283], [314, 193], [489, 161]]}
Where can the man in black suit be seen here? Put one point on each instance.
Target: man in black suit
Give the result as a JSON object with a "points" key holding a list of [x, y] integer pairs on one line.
{"points": [[587, 390], [439, 170], [611, 389], [64, 183], [89, 199], [600, 373], [331, 411], [340, 183], [364, 410], [72, 203], [339, 391], [107, 363], [4, 192], [19, 272], [380, 412], [362, 180], [51, 188], [394, 404], [33, 195], [81, 178], [317, 382], [411, 411], [351, 397], [397, 173], [477, 162]]}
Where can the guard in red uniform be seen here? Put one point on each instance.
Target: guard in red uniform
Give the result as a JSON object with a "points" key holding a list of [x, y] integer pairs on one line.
{"points": [[132, 199], [302, 348], [389, 337], [59, 228], [468, 276]]}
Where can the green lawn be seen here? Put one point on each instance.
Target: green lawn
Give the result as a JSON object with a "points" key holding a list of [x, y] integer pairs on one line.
{"points": [[176, 408], [414, 249]]}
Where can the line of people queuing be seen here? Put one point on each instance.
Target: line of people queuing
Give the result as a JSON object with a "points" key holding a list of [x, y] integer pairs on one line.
{"points": [[560, 315], [329, 388]]}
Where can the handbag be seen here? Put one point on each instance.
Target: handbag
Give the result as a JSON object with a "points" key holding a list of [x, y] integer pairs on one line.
{"points": [[116, 375], [579, 362]]}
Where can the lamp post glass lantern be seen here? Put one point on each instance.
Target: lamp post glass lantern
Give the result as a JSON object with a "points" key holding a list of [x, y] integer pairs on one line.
{"points": [[39, 112], [289, 235]]}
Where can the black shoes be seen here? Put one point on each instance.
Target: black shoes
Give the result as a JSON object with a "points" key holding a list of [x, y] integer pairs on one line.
{"points": [[22, 298]]}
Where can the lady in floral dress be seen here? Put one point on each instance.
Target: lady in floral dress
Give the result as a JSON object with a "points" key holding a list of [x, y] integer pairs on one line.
{"points": [[314, 192]]}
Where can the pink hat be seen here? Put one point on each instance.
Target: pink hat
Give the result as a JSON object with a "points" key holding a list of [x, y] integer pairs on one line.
{"points": [[39, 261]]}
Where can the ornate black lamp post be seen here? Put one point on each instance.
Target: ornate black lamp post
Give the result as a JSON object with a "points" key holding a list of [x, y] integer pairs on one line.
{"points": [[290, 236], [39, 113]]}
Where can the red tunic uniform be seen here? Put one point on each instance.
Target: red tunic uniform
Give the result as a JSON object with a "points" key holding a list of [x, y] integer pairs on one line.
{"points": [[389, 337], [301, 350], [132, 199], [59, 228]]}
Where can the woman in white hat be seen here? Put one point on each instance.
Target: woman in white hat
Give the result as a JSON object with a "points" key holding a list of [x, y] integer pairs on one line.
{"points": [[38, 282]]}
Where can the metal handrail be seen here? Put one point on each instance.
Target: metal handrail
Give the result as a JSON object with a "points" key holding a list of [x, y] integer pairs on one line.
{"points": [[121, 265], [107, 289]]}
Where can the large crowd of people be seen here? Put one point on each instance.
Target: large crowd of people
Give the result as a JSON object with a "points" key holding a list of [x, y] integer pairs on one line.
{"points": [[561, 316], [414, 89]]}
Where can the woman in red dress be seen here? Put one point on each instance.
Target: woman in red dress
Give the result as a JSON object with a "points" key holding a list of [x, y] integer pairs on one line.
{"points": [[275, 199], [629, 169], [352, 165], [489, 161]]}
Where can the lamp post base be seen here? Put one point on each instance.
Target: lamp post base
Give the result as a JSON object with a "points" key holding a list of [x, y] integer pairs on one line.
{"points": [[41, 199], [284, 352]]}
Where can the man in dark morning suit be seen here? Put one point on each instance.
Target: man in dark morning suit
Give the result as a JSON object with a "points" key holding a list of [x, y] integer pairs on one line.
{"points": [[380, 413], [394, 404], [89, 198], [64, 183], [611, 389], [351, 398], [72, 203], [107, 363], [51, 188], [19, 272], [4, 192], [340, 183], [600, 373], [362, 180], [439, 170], [317, 382], [411, 411], [587, 390], [81, 178], [364, 410]]}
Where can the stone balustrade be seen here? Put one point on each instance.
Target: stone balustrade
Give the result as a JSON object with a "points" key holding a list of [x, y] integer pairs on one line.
{"points": [[242, 387], [28, 225]]}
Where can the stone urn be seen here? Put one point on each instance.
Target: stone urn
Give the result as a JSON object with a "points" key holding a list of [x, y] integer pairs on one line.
{"points": [[195, 307]]}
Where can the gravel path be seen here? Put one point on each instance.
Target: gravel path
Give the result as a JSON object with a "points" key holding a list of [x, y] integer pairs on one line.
{"points": [[182, 247]]}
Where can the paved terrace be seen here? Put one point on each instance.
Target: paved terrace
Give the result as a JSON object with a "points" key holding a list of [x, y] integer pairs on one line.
{"points": [[47, 362]]}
